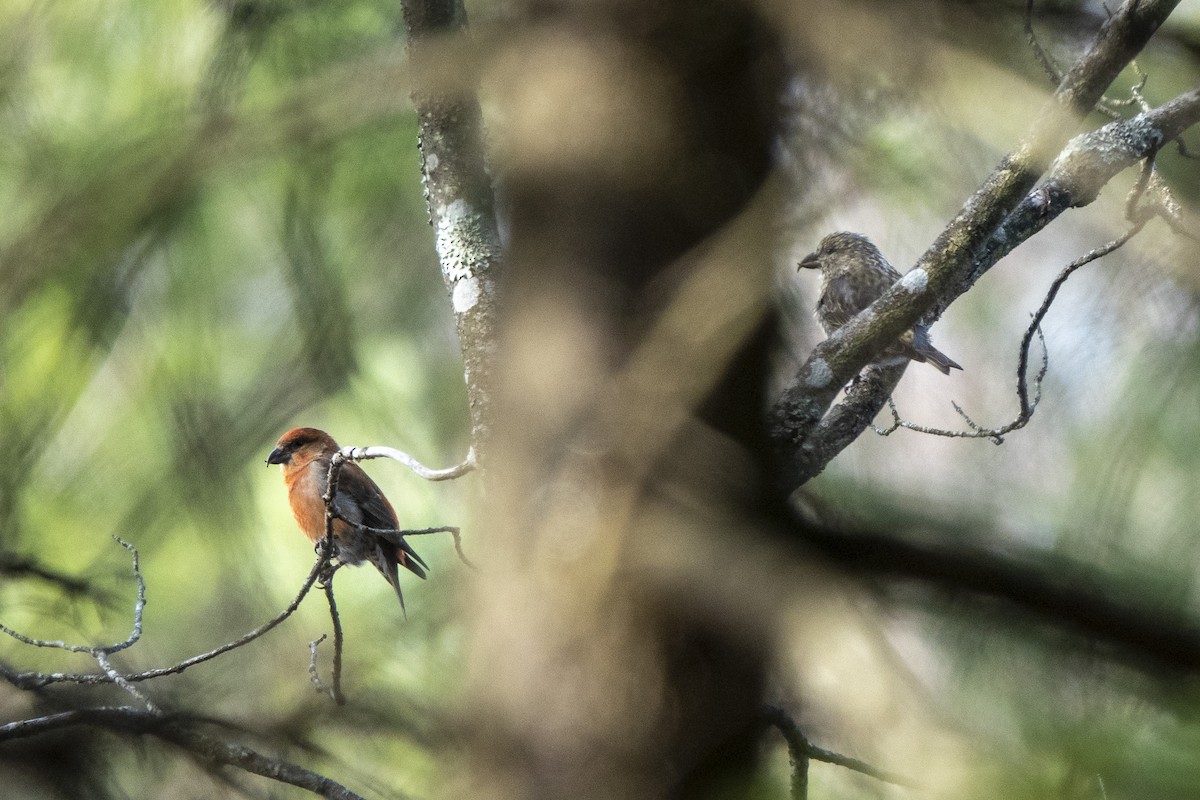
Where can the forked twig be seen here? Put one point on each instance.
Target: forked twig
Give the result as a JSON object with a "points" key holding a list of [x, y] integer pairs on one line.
{"points": [[1106, 105], [801, 751], [1027, 405], [36, 680]]}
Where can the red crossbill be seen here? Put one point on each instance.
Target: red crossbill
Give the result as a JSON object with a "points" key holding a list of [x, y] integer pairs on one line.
{"points": [[853, 275], [365, 527]]}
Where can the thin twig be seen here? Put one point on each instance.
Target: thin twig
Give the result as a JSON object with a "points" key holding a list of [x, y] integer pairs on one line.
{"points": [[335, 688], [455, 534], [317, 568], [393, 533], [797, 748], [101, 653], [802, 751], [1105, 105], [313, 674], [1027, 406], [35, 680], [1135, 92], [119, 680], [1049, 65], [139, 605], [1159, 200]]}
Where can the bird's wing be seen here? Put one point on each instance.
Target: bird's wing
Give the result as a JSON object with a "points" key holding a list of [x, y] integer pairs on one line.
{"points": [[360, 499], [842, 299], [365, 497]]}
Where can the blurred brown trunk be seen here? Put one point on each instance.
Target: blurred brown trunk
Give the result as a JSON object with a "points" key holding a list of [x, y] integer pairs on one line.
{"points": [[632, 133]]}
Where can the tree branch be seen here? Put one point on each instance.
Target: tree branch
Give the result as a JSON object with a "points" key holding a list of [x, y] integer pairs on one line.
{"points": [[335, 686], [845, 422], [182, 733], [945, 271], [36, 680], [458, 192], [429, 474], [1027, 405], [802, 751], [1148, 638], [1084, 167]]}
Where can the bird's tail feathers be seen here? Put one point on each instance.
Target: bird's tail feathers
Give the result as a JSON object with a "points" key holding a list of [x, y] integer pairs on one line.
{"points": [[940, 360], [387, 562], [395, 579], [405, 555], [408, 558], [916, 342]]}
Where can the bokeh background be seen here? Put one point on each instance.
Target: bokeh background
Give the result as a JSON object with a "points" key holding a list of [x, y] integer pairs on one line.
{"points": [[189, 266]]}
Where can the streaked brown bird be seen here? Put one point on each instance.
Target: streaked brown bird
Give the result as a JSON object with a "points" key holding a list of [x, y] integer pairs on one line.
{"points": [[853, 275], [360, 505]]}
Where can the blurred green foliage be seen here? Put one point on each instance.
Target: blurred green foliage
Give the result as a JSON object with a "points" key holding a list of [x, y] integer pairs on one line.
{"points": [[171, 300]]}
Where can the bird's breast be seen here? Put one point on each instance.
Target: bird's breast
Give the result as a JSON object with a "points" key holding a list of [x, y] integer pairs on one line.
{"points": [[306, 485]]}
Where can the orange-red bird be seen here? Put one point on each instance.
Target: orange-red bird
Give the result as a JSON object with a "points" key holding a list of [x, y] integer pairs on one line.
{"points": [[305, 454]]}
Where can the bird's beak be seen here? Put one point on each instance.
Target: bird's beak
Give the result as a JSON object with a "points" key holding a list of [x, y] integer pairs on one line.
{"points": [[278, 456], [810, 262]]}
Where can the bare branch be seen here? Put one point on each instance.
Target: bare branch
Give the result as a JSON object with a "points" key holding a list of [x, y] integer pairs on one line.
{"points": [[139, 605], [429, 474], [222, 753], [35, 680], [151, 720], [797, 748], [985, 230], [1106, 105], [335, 686], [1047, 62], [393, 533], [845, 421], [119, 680], [101, 654], [1084, 167], [461, 204], [454, 534], [182, 733], [313, 673], [134, 635], [1027, 406], [318, 566], [802, 751]]}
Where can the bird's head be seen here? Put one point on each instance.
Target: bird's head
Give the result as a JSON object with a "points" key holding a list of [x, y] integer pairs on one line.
{"points": [[301, 445], [837, 246]]}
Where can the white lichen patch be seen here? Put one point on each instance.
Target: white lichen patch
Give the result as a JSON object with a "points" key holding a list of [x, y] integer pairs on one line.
{"points": [[465, 294], [465, 243], [915, 281], [819, 374], [454, 223]]}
